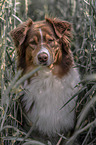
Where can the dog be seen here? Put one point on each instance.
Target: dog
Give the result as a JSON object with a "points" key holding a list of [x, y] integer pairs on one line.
{"points": [[47, 43]]}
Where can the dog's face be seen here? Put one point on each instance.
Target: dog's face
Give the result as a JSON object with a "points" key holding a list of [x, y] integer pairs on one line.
{"points": [[45, 43], [42, 45]]}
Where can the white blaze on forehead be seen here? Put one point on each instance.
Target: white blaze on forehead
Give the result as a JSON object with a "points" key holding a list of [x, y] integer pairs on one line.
{"points": [[41, 35]]}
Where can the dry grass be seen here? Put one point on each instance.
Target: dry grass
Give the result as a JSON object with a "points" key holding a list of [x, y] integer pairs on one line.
{"points": [[82, 14]]}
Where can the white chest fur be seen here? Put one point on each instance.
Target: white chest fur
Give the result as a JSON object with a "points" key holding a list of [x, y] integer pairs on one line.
{"points": [[49, 94]]}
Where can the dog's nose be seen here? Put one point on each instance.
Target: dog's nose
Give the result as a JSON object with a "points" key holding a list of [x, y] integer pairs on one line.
{"points": [[43, 57]]}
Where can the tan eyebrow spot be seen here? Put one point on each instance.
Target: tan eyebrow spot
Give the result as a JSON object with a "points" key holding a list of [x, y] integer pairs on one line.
{"points": [[34, 39], [48, 37]]}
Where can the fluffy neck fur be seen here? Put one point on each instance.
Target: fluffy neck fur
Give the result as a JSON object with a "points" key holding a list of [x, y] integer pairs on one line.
{"points": [[49, 94]]}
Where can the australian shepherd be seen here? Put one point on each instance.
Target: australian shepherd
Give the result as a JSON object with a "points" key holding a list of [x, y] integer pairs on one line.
{"points": [[47, 44]]}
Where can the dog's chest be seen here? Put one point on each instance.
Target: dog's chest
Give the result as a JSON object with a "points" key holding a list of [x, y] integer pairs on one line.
{"points": [[49, 94]]}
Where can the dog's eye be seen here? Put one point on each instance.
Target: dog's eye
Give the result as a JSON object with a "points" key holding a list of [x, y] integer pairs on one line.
{"points": [[32, 46], [33, 42], [50, 40]]}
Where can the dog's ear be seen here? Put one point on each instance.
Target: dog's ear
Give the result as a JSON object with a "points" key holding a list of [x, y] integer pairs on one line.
{"points": [[62, 29], [19, 34]]}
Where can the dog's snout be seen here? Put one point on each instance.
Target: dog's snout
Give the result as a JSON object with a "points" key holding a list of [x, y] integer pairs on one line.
{"points": [[43, 57]]}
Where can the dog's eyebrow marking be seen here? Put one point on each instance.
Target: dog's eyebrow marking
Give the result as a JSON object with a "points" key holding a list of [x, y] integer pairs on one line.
{"points": [[41, 35]]}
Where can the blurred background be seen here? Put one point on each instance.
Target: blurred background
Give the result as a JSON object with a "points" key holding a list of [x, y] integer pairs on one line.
{"points": [[82, 15]]}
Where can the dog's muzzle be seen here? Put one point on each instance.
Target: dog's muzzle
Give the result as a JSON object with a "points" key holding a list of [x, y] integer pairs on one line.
{"points": [[43, 57]]}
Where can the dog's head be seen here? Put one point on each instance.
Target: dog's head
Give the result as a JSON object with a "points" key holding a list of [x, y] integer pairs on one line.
{"points": [[43, 43]]}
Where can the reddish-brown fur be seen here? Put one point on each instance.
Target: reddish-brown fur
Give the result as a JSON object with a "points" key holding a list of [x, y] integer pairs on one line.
{"points": [[55, 29]]}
